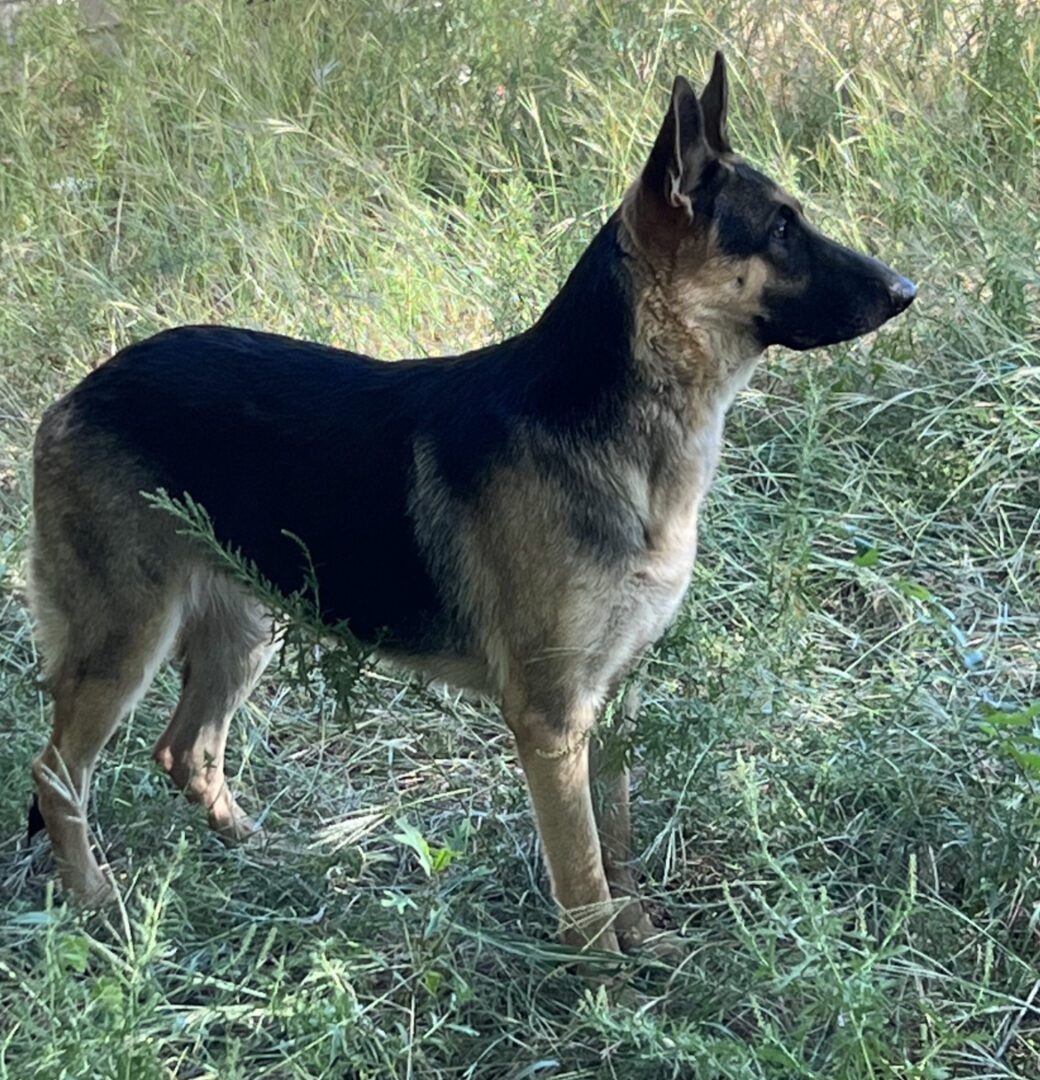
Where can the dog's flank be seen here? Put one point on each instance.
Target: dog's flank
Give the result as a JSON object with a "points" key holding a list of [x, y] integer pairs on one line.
{"points": [[521, 519]]}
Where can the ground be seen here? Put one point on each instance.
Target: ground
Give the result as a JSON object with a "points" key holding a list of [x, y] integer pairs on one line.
{"points": [[838, 802]]}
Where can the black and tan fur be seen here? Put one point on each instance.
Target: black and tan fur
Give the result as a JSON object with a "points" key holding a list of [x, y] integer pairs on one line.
{"points": [[521, 520]]}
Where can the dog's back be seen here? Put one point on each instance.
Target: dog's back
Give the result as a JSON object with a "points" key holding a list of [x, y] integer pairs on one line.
{"points": [[297, 451]]}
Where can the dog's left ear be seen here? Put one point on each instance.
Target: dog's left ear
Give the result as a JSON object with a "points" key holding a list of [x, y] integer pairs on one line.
{"points": [[678, 157], [714, 106]]}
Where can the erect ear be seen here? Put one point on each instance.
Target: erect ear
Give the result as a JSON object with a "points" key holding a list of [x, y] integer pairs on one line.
{"points": [[714, 105], [679, 154]]}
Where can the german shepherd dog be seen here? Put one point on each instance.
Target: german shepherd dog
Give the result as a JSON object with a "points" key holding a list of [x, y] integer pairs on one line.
{"points": [[520, 520]]}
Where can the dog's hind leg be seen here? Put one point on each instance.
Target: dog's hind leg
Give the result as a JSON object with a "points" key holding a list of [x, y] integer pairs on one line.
{"points": [[226, 642], [610, 787], [100, 663]]}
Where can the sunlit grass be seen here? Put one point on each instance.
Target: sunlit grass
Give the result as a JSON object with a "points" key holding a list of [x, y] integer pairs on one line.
{"points": [[855, 867]]}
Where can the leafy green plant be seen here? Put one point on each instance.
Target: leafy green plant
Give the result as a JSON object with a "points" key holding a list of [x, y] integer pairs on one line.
{"points": [[1017, 734], [847, 843]]}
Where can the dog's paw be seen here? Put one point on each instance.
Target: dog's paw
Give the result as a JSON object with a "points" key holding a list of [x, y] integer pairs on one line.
{"points": [[91, 887], [641, 937], [232, 824]]}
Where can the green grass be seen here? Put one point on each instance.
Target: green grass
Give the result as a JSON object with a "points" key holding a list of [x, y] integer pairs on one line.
{"points": [[854, 862]]}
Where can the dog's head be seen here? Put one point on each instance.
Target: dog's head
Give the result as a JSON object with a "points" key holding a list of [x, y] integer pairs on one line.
{"points": [[734, 252]]}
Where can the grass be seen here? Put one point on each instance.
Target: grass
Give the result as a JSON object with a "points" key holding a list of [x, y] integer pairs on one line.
{"points": [[854, 861]]}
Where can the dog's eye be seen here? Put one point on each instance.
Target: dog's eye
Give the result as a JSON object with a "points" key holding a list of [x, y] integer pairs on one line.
{"points": [[779, 230]]}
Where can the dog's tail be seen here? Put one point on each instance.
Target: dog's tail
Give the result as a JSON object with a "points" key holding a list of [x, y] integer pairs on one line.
{"points": [[35, 823]]}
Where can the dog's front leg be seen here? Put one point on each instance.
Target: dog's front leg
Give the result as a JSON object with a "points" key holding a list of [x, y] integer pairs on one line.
{"points": [[610, 786], [554, 752]]}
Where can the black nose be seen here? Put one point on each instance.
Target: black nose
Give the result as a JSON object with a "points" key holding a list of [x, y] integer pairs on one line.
{"points": [[902, 291]]}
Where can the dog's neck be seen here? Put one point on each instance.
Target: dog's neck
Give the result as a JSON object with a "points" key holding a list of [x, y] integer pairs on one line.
{"points": [[620, 340], [693, 358]]}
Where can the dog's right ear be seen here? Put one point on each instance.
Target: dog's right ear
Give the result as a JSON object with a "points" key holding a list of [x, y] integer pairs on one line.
{"points": [[679, 155], [715, 106]]}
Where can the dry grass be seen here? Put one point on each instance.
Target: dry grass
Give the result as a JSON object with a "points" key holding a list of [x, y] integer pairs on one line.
{"points": [[853, 860]]}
